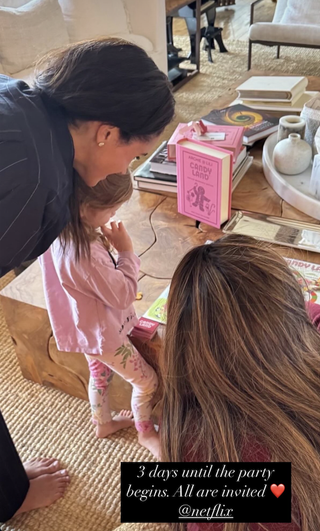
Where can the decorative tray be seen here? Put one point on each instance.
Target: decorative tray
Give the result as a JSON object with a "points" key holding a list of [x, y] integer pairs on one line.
{"points": [[294, 189]]}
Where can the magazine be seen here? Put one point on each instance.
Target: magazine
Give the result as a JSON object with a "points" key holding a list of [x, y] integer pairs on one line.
{"points": [[308, 276], [158, 311]]}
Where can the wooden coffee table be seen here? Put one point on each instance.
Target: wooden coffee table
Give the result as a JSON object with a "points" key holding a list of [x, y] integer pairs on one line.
{"points": [[161, 237]]}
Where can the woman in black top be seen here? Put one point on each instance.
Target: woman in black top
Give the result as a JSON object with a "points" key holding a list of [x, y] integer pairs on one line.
{"points": [[93, 108]]}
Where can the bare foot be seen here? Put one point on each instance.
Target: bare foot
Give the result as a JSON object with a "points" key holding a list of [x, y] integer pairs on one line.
{"points": [[123, 420], [45, 490], [38, 467], [151, 441]]}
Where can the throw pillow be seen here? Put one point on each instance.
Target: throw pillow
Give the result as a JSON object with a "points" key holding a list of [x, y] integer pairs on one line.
{"points": [[30, 31], [87, 19], [13, 3], [302, 12]]}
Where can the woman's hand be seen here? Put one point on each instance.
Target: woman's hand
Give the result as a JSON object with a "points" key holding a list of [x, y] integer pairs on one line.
{"points": [[118, 237]]}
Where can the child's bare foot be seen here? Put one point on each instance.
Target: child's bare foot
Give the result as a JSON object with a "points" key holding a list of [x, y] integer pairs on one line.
{"points": [[119, 422], [151, 441], [45, 490], [38, 467]]}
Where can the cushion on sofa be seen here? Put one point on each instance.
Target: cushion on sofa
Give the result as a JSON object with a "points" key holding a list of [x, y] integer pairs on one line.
{"points": [[87, 19], [139, 40], [27, 75], [263, 31], [280, 9], [13, 3], [28, 32], [301, 12]]}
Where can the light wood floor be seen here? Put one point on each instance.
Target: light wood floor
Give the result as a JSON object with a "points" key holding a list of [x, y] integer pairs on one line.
{"points": [[235, 19]]}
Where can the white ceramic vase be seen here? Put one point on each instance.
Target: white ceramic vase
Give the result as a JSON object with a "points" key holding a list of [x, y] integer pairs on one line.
{"points": [[292, 155], [291, 124]]}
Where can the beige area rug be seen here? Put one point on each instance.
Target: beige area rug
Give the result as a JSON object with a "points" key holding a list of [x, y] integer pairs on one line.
{"points": [[227, 68], [47, 422]]}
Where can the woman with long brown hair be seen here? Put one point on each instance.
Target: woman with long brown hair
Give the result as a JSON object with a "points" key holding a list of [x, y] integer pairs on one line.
{"points": [[241, 357]]}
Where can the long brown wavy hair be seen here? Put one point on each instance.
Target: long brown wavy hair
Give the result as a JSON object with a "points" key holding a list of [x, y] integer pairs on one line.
{"points": [[241, 362], [111, 192]]}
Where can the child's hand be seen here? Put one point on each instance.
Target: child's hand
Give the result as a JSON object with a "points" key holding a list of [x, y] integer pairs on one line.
{"points": [[118, 237]]}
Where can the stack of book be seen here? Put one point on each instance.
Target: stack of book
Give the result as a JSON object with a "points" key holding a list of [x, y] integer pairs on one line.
{"points": [[160, 174], [157, 173], [277, 93], [145, 329], [202, 165]]}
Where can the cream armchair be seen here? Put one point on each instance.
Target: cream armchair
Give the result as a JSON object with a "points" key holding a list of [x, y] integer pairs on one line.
{"points": [[31, 28], [304, 32]]}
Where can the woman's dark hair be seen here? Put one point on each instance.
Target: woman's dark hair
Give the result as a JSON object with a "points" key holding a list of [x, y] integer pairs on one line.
{"points": [[111, 81]]}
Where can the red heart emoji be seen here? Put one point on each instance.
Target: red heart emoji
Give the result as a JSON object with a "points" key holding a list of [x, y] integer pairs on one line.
{"points": [[277, 490]]}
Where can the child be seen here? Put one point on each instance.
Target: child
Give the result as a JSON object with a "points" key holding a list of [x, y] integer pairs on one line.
{"points": [[241, 361], [89, 299]]}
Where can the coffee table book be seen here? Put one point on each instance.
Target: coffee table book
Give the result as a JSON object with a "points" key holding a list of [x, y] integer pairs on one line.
{"points": [[273, 88], [231, 139], [204, 178], [257, 124], [288, 107], [159, 162]]}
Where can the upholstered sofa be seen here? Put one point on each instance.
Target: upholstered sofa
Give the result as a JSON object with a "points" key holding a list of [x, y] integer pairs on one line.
{"points": [[295, 23], [31, 28]]}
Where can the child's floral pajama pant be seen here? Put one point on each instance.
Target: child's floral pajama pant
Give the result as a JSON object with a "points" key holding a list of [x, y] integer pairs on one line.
{"points": [[128, 363]]}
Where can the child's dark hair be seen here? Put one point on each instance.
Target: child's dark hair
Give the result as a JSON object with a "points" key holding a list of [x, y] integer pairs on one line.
{"points": [[111, 192]]}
